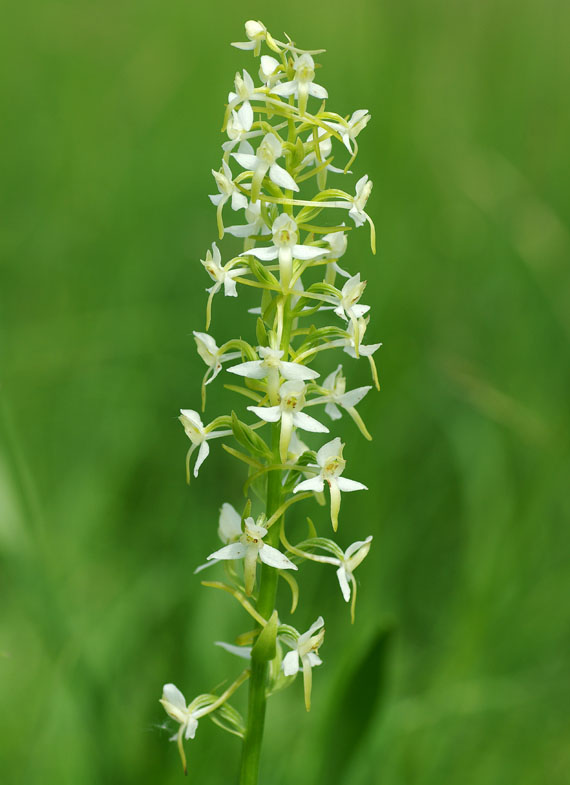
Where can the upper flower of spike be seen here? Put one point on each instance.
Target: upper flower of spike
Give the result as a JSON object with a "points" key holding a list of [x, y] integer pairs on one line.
{"points": [[331, 465], [251, 547], [305, 648], [265, 160], [302, 86], [257, 33]]}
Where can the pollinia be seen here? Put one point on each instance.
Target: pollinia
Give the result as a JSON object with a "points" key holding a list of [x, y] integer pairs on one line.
{"points": [[273, 192]]}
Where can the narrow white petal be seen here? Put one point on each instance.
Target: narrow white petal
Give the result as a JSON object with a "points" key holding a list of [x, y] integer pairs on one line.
{"points": [[307, 423], [203, 453], [229, 524], [366, 351], [294, 371], [274, 558], [318, 91], [230, 287], [343, 581], [265, 254], [252, 370], [285, 89], [217, 198], [240, 651], [172, 694], [307, 252], [351, 398], [356, 546], [236, 550], [191, 726], [316, 625], [333, 411], [247, 161], [267, 413], [346, 485], [314, 484], [239, 201], [243, 44], [290, 663], [245, 115], [282, 178], [314, 659]]}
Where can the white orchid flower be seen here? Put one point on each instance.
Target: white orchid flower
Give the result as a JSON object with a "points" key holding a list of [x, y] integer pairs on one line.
{"points": [[273, 366], [221, 274], [250, 548], [331, 465], [199, 435], [335, 395], [302, 86], [285, 248], [288, 412], [255, 223], [304, 654], [265, 161], [256, 33], [352, 557], [174, 704], [350, 130], [245, 92], [356, 332], [212, 355], [227, 190], [358, 201], [351, 293]]}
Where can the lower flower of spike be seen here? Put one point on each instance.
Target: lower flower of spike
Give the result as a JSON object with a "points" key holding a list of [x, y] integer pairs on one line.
{"points": [[304, 653], [250, 548]]}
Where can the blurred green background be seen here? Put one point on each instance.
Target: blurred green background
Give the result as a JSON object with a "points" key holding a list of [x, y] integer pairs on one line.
{"points": [[456, 670]]}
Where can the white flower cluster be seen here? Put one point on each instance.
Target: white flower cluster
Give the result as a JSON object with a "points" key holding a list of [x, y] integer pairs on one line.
{"points": [[282, 142]]}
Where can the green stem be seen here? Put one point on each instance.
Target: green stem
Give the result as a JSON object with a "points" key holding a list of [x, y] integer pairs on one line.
{"points": [[266, 602], [265, 605]]}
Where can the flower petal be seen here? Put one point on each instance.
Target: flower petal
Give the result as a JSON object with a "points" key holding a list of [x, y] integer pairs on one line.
{"points": [[236, 550], [313, 484], [282, 178], [274, 558], [266, 254], [252, 370], [203, 453], [172, 694], [247, 161], [346, 485], [294, 371], [307, 423], [343, 581], [267, 413], [290, 663]]}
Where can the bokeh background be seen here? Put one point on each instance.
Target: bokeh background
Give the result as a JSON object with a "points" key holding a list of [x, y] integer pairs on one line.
{"points": [[456, 670]]}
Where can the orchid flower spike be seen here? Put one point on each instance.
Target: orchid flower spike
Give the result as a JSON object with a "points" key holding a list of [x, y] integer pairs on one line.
{"points": [[304, 654], [331, 465], [251, 548]]}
